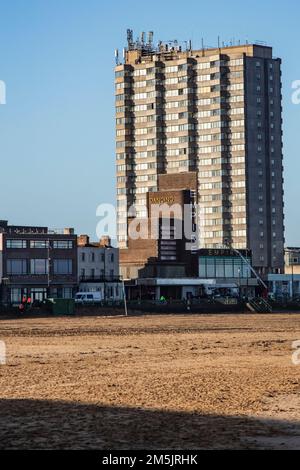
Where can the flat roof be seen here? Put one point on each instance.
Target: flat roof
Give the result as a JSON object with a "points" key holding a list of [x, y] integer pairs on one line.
{"points": [[186, 281]]}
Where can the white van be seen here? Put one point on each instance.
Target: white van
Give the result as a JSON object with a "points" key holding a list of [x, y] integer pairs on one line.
{"points": [[88, 297]]}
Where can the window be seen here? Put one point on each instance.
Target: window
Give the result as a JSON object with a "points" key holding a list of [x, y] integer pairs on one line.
{"points": [[16, 244], [139, 72], [67, 293], [16, 266], [236, 62], [120, 97], [63, 266], [203, 65], [38, 266], [39, 243], [15, 295], [63, 244]]}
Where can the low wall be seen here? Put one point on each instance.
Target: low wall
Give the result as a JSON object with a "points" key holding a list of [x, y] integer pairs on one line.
{"points": [[145, 308]]}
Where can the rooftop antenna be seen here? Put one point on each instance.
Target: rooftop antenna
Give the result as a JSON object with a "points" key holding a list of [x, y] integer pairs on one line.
{"points": [[190, 44], [202, 46], [218, 42], [129, 38], [150, 38], [117, 56]]}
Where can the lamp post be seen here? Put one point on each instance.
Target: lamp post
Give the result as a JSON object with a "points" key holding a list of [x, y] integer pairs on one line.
{"points": [[104, 280], [124, 297], [106, 251], [248, 275], [292, 267], [48, 268], [228, 244]]}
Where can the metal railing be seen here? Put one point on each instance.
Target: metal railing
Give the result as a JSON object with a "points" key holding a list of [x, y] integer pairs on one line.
{"points": [[99, 278]]}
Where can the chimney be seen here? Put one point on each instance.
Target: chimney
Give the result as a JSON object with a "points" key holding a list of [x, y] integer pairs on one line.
{"points": [[69, 231], [83, 240], [3, 225], [105, 241]]}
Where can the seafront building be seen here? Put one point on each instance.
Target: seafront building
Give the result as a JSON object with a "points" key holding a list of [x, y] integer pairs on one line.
{"points": [[210, 112], [98, 268], [37, 263]]}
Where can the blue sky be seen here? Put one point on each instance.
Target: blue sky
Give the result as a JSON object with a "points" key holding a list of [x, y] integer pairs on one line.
{"points": [[57, 128]]}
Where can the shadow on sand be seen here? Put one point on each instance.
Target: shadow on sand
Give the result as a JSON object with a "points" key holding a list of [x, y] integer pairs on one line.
{"points": [[38, 424]]}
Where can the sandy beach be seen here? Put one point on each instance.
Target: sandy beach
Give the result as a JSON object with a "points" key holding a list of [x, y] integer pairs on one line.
{"points": [[152, 382]]}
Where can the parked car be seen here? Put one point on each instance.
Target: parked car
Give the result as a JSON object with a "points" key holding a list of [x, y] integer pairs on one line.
{"points": [[87, 297]]}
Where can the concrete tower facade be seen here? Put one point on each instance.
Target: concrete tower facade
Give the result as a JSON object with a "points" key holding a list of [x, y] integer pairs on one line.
{"points": [[216, 112]]}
